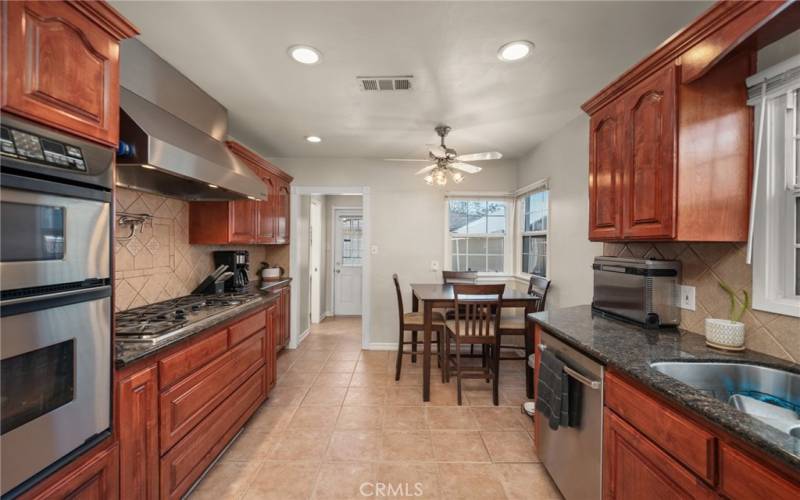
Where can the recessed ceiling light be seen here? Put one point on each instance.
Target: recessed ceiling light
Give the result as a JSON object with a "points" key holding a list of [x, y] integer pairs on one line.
{"points": [[304, 54], [213, 186], [313, 138], [514, 51]]}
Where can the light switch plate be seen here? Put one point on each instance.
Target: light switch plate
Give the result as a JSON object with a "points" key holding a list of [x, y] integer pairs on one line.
{"points": [[373, 249], [434, 265], [687, 297]]}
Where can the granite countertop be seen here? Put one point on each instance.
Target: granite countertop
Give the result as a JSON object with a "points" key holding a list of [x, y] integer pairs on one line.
{"points": [[271, 284], [630, 349], [128, 352]]}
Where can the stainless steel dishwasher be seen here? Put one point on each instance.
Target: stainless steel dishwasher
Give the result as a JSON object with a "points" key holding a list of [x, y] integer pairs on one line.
{"points": [[573, 455]]}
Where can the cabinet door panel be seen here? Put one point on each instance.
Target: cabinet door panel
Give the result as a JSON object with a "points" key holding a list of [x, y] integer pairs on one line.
{"points": [[648, 184], [743, 477], [282, 214], [267, 212], [634, 468], [62, 69], [138, 435], [243, 221], [96, 479], [605, 173]]}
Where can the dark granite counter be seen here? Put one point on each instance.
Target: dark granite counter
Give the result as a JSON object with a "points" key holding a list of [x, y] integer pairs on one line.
{"points": [[630, 349], [274, 284], [128, 352]]}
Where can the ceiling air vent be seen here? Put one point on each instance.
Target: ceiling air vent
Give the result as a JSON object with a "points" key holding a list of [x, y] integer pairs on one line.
{"points": [[384, 83]]}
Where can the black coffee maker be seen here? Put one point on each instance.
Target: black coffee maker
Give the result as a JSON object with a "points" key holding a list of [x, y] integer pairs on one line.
{"points": [[238, 262]]}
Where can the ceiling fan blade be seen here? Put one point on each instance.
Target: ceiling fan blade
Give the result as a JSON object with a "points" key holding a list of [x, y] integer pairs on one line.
{"points": [[437, 150], [489, 155], [405, 159], [465, 167], [425, 169]]}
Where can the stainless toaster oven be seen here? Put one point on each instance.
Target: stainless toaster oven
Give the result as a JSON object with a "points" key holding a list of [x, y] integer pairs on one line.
{"points": [[641, 290]]}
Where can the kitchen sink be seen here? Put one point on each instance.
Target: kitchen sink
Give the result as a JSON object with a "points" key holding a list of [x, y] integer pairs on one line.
{"points": [[769, 394]]}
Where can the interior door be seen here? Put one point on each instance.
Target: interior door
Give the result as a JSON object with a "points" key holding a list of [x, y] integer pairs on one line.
{"points": [[347, 262]]}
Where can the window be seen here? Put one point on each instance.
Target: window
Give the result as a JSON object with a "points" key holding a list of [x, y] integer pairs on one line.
{"points": [[776, 217], [477, 234], [351, 239], [534, 208]]}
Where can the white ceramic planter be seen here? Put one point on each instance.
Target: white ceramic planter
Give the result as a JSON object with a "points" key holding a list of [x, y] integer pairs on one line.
{"points": [[725, 334]]}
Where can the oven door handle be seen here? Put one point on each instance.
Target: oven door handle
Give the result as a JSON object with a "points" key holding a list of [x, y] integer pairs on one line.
{"points": [[579, 377], [33, 303]]}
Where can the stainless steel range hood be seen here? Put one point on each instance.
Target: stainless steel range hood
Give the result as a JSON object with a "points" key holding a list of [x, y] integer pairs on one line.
{"points": [[172, 133]]}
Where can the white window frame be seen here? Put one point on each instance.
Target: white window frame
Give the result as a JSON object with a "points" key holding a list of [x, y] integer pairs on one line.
{"points": [[776, 188], [519, 203], [508, 240]]}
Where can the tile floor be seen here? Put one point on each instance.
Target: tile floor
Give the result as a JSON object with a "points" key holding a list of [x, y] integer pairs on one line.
{"points": [[338, 426]]}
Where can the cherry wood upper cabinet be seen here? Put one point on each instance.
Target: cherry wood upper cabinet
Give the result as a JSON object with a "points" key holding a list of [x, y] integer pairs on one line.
{"points": [[282, 213], [243, 221], [265, 228], [679, 167], [649, 164], [605, 173], [62, 65]]}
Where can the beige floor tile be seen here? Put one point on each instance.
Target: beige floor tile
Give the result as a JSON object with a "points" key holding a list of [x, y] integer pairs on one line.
{"points": [[333, 380], [360, 418], [459, 446], [354, 446], [408, 379], [500, 418], [338, 366], [271, 418], [314, 417], [226, 480], [483, 397], [251, 446], [367, 380], [283, 481], [346, 355], [404, 396], [509, 446], [308, 365], [450, 418], [406, 446], [375, 356], [408, 480], [283, 395], [325, 396], [377, 368], [405, 418], [525, 481], [297, 378], [300, 445], [470, 482], [443, 395], [365, 396], [513, 396], [320, 356], [344, 481]]}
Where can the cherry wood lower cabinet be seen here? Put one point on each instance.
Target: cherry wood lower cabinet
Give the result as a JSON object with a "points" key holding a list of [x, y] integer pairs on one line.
{"points": [[178, 409], [94, 476], [284, 308], [652, 449]]}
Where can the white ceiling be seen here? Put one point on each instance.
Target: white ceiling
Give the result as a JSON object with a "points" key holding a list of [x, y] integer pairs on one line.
{"points": [[236, 51]]}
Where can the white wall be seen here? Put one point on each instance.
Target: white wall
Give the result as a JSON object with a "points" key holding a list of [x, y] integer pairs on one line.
{"points": [[563, 158], [406, 217]]}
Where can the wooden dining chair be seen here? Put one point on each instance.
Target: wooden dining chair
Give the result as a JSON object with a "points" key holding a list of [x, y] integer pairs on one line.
{"points": [[453, 277], [475, 323], [415, 322], [513, 324]]}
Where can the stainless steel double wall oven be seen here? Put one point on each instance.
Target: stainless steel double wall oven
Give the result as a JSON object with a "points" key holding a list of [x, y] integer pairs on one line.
{"points": [[55, 299]]}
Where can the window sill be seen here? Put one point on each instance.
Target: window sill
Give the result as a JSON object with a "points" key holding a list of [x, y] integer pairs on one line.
{"points": [[785, 307]]}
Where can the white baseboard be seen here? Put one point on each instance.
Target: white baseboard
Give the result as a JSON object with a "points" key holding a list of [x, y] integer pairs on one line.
{"points": [[328, 314], [303, 336], [382, 346]]}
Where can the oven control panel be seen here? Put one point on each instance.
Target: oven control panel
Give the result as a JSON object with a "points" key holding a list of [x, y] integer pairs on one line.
{"points": [[24, 145]]}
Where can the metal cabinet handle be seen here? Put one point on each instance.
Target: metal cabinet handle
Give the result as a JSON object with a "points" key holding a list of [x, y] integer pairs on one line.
{"points": [[592, 384]]}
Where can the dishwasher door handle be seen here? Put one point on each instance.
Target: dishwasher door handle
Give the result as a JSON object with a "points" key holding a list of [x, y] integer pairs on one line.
{"points": [[591, 384]]}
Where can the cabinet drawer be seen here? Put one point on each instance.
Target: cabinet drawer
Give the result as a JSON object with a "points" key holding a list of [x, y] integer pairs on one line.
{"points": [[182, 363], [247, 327], [689, 443], [191, 399], [743, 477], [187, 460], [97, 478]]}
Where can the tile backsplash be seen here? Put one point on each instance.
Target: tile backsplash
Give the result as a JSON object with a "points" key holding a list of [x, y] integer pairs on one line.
{"points": [[704, 266], [158, 263]]}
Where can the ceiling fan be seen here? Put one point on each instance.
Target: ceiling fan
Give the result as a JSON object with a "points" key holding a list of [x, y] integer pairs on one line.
{"points": [[448, 162]]}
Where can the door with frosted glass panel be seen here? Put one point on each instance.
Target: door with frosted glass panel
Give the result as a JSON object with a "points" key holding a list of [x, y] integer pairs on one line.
{"points": [[347, 262]]}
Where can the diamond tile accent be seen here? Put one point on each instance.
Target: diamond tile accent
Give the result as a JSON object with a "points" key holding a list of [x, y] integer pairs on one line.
{"points": [[153, 245]]}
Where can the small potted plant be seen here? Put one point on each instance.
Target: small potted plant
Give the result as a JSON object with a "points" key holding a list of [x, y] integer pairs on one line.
{"points": [[729, 333]]}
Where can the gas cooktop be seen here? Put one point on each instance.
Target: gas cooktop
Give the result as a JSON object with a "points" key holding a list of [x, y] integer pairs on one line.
{"points": [[157, 322]]}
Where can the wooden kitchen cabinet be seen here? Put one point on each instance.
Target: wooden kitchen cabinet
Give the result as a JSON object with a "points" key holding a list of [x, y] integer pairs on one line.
{"points": [[634, 468], [62, 65], [245, 221], [96, 478], [743, 477], [284, 317], [273, 318], [137, 424], [671, 139]]}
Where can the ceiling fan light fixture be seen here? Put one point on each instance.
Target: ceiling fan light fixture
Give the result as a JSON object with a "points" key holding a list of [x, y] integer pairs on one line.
{"points": [[304, 54], [429, 180], [515, 51], [457, 177]]}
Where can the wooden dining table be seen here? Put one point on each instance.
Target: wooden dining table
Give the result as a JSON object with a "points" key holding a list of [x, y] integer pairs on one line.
{"points": [[441, 296]]}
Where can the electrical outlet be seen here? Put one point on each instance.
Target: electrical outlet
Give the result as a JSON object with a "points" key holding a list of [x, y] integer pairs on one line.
{"points": [[687, 297], [434, 265]]}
